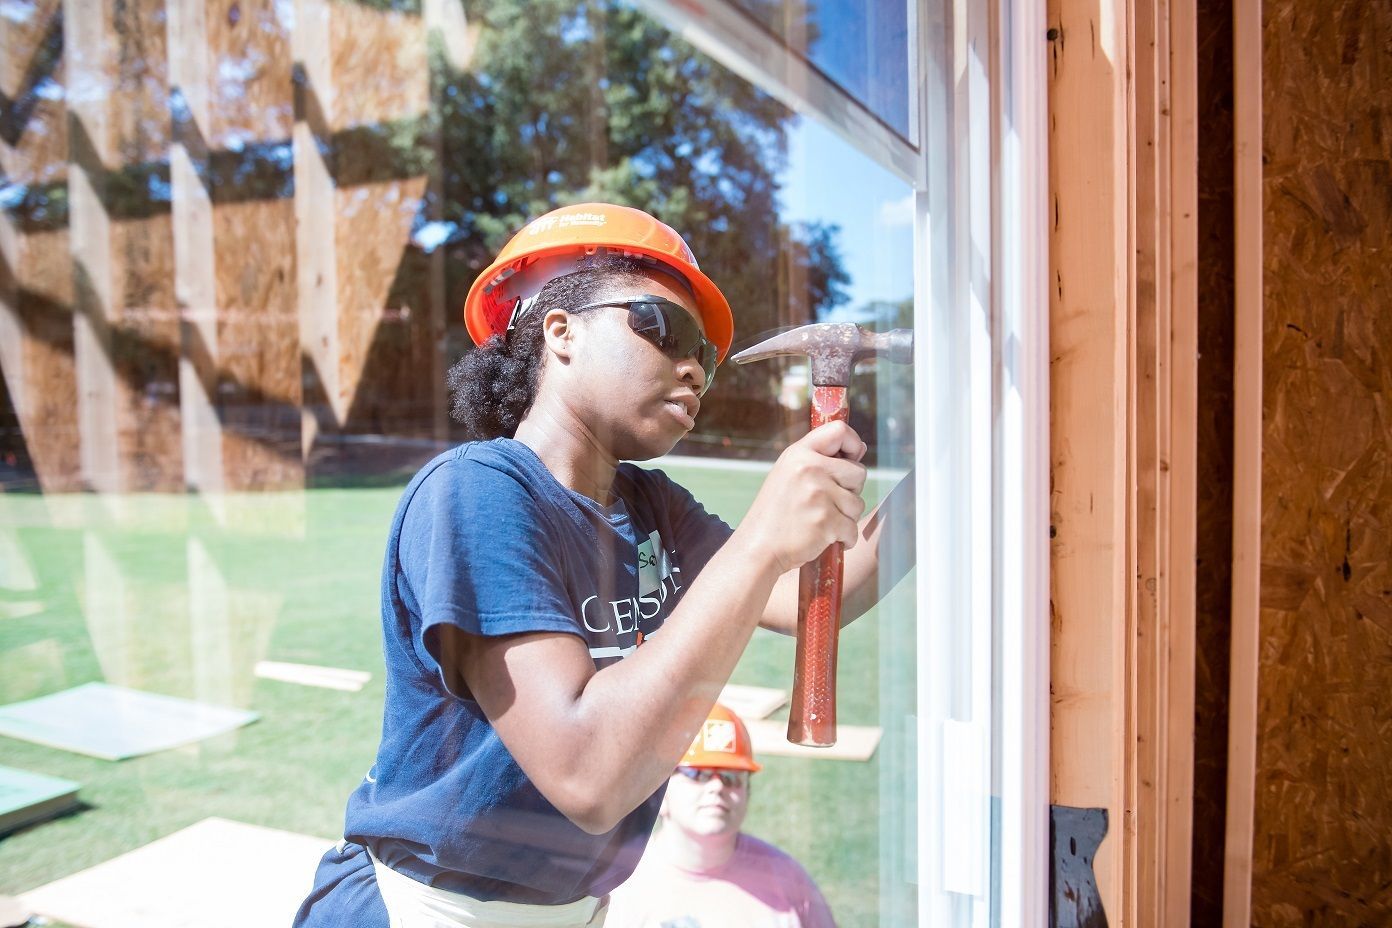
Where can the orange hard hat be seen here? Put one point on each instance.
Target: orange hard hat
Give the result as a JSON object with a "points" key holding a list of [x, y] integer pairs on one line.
{"points": [[722, 742], [560, 242]]}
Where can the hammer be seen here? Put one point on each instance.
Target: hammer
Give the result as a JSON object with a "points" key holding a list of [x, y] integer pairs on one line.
{"points": [[834, 348]]}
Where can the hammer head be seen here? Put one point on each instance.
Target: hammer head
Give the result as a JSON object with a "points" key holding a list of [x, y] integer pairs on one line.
{"points": [[834, 348]]}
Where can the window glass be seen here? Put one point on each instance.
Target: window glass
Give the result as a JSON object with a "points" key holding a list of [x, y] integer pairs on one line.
{"points": [[861, 45], [236, 240]]}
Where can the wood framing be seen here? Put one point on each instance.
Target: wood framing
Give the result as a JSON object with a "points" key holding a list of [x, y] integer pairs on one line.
{"points": [[1161, 538], [1124, 347], [1089, 286], [1175, 870], [1247, 454]]}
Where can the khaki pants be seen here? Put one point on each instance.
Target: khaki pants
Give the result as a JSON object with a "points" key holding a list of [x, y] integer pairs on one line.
{"points": [[411, 904]]}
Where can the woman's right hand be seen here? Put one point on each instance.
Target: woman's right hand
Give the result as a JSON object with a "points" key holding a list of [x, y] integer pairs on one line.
{"points": [[810, 499]]}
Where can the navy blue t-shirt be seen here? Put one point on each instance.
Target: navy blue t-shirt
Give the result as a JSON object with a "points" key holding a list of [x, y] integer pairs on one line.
{"points": [[487, 540]]}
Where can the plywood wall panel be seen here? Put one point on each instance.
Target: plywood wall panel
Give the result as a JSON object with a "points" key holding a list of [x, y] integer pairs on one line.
{"points": [[258, 392], [145, 352], [139, 95], [380, 55], [1322, 850], [38, 151], [48, 413], [380, 324], [251, 73], [143, 338], [23, 36]]}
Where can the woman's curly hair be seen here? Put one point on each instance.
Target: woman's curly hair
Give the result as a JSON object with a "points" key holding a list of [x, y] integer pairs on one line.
{"points": [[494, 385]]}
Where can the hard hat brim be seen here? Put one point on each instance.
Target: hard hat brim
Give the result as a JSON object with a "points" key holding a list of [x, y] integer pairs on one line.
{"points": [[724, 762]]}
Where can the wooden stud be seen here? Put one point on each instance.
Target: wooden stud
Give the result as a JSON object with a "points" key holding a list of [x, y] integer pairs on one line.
{"points": [[1247, 458], [1089, 283], [1161, 434], [1143, 359], [1176, 852]]}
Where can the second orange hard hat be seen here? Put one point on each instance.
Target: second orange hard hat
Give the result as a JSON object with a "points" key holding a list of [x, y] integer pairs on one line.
{"points": [[723, 742], [560, 242]]}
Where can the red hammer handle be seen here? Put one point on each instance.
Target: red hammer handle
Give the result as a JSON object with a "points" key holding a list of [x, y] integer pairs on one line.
{"points": [[812, 719]]}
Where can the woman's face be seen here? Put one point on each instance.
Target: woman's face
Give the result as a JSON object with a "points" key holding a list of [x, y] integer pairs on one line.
{"points": [[632, 397]]}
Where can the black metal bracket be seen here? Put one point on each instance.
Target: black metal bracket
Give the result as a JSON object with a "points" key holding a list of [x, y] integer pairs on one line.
{"points": [[1074, 836]]}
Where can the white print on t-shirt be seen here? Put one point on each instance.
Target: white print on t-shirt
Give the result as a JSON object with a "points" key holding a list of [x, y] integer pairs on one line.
{"points": [[656, 582]]}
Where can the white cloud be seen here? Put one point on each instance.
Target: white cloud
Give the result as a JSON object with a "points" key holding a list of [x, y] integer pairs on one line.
{"points": [[896, 213]]}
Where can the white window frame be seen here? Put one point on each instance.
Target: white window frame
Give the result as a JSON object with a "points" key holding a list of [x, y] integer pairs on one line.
{"points": [[980, 176]]}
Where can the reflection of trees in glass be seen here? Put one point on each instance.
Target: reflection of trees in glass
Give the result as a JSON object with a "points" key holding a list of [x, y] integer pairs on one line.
{"points": [[566, 101], [560, 101], [882, 395]]}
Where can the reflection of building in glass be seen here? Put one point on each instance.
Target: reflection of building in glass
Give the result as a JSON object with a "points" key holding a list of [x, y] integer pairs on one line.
{"points": [[236, 239]]}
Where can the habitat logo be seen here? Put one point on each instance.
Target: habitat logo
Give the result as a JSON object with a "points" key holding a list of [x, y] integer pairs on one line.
{"points": [[570, 220]]}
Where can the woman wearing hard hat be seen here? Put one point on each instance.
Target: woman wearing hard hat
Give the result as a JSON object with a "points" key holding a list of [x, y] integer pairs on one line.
{"points": [[700, 870], [527, 737]]}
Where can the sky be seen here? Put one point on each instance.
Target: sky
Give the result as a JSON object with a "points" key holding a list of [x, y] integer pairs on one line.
{"points": [[830, 181]]}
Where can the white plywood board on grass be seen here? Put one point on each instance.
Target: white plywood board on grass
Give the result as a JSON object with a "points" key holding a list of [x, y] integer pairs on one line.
{"points": [[213, 874], [332, 678], [113, 722], [853, 742], [752, 702]]}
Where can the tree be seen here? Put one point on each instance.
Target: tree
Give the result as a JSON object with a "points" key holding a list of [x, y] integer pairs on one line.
{"points": [[568, 101]]}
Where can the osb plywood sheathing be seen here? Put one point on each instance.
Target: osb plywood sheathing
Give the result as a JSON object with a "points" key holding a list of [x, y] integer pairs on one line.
{"points": [[124, 319], [1321, 852], [36, 326], [1088, 310], [258, 390], [34, 144], [351, 239]]}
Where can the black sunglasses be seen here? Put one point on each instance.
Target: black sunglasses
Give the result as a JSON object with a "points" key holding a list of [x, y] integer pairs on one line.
{"points": [[732, 778], [670, 328]]}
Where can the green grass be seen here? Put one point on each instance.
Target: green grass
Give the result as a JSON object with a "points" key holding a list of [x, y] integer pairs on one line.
{"points": [[182, 595]]}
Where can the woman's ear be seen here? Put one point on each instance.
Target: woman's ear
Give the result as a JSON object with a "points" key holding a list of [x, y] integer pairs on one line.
{"points": [[558, 331]]}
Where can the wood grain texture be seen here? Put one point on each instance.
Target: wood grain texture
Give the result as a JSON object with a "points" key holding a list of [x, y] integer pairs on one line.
{"points": [[1088, 314], [36, 331], [1162, 462], [37, 151], [379, 63], [48, 410], [1176, 865], [145, 354], [258, 392], [250, 67], [1148, 428], [382, 344], [1322, 850], [1247, 455], [139, 95]]}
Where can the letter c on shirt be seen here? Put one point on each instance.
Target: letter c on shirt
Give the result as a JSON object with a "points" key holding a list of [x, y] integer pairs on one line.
{"points": [[585, 615]]}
